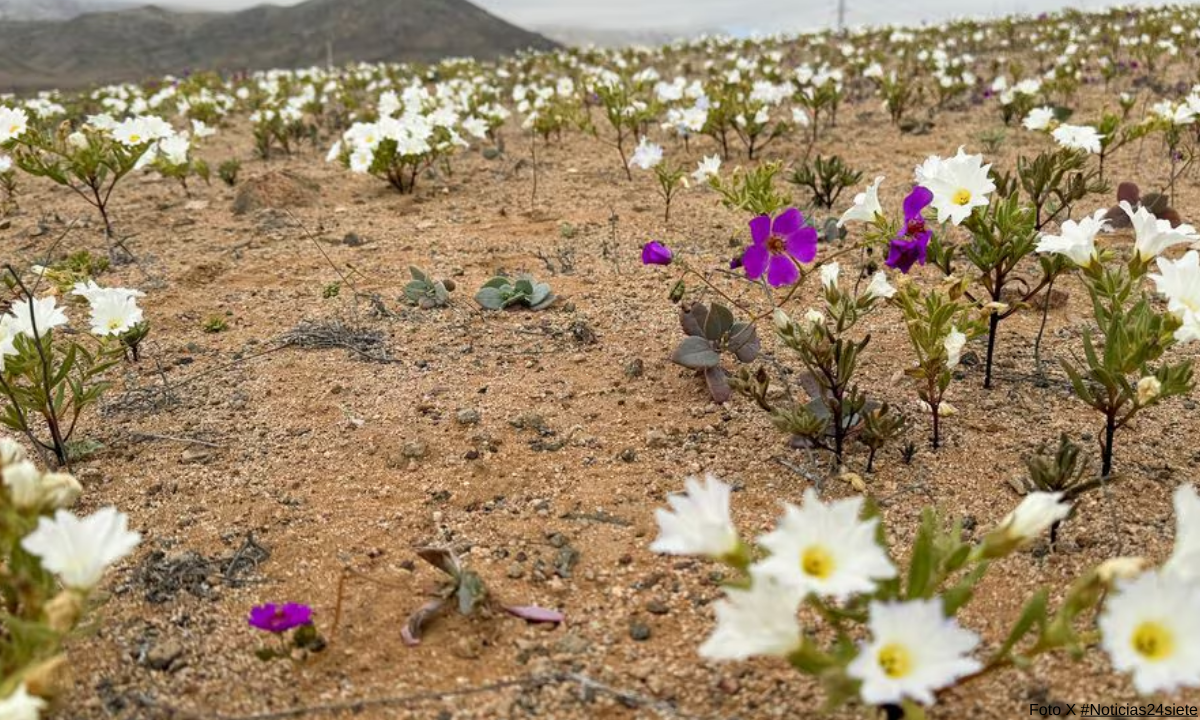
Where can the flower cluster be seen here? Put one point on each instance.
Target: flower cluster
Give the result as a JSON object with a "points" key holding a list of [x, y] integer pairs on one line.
{"points": [[832, 559]]}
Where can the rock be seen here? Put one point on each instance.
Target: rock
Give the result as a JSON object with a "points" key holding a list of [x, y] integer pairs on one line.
{"points": [[276, 189], [467, 416], [515, 571], [657, 607], [163, 655], [192, 456], [414, 450], [628, 455], [571, 644], [639, 631], [656, 439]]}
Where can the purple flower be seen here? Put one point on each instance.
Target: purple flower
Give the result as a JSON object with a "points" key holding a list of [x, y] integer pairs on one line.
{"points": [[655, 253], [280, 618], [910, 246], [778, 247]]}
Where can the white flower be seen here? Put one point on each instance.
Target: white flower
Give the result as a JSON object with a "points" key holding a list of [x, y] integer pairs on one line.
{"points": [[202, 130], [13, 123], [1185, 558], [800, 117], [1078, 137], [42, 312], [59, 490], [8, 336], [80, 550], [475, 127], [879, 287], [1076, 240], [1036, 513], [1039, 119], [698, 522], [959, 185], [20, 705], [914, 650], [954, 343], [90, 290], [361, 159], [1150, 628], [114, 313], [1180, 282], [825, 549], [1154, 235], [866, 205], [829, 274], [78, 140], [707, 168], [647, 155], [174, 149], [5, 164], [760, 621]]}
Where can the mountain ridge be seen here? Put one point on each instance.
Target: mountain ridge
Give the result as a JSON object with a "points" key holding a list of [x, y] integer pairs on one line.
{"points": [[143, 42]]}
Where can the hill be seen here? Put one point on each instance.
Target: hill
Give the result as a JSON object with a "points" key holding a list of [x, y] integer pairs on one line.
{"points": [[134, 44]]}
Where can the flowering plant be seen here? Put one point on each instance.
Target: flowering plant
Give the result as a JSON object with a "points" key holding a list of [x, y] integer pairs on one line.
{"points": [[55, 377], [825, 592], [50, 563]]}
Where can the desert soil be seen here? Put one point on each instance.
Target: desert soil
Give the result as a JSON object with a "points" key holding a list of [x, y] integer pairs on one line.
{"points": [[529, 442]]}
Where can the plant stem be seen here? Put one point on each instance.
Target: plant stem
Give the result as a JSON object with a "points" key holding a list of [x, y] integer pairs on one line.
{"points": [[993, 325], [1110, 429], [1037, 344]]}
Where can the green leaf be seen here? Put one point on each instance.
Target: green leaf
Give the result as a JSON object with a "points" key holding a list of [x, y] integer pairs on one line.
{"points": [[921, 566], [696, 353], [718, 323], [1034, 615], [491, 298]]}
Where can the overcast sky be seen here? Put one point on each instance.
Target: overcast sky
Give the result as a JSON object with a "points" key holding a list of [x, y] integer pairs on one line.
{"points": [[729, 15]]}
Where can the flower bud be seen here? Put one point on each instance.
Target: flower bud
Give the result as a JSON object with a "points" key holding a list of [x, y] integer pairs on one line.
{"points": [[1120, 568], [813, 318], [59, 490], [781, 320], [63, 611], [10, 452], [1148, 389], [24, 482], [45, 679], [78, 141]]}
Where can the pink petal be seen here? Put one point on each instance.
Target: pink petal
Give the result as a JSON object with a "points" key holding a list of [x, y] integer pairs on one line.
{"points": [[782, 271], [760, 229], [754, 260], [802, 245], [788, 222], [535, 614]]}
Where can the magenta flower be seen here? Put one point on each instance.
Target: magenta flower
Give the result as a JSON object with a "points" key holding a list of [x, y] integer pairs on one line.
{"points": [[280, 618], [655, 253], [911, 245], [779, 247]]}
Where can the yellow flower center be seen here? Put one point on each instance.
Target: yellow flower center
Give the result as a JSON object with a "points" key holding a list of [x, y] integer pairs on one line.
{"points": [[895, 660], [1153, 641], [961, 197], [114, 324], [13, 130], [817, 562], [135, 138]]}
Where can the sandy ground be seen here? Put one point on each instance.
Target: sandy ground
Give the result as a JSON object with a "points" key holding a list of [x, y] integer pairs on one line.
{"points": [[328, 460]]}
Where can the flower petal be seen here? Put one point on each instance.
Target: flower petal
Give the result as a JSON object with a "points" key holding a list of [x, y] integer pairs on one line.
{"points": [[917, 200], [782, 271], [788, 222], [760, 229], [802, 244], [754, 260]]}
